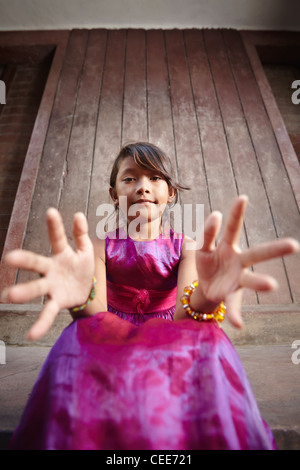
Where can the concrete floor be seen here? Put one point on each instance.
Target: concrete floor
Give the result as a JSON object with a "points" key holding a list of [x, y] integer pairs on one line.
{"points": [[272, 373]]}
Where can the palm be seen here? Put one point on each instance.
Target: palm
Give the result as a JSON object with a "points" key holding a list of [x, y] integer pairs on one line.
{"points": [[223, 270], [66, 277], [219, 271], [69, 277]]}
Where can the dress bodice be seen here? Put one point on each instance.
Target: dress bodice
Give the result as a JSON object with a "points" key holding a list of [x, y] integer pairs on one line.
{"points": [[144, 264], [142, 275]]}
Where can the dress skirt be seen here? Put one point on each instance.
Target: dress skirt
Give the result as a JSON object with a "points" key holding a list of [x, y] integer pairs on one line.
{"points": [[163, 385]]}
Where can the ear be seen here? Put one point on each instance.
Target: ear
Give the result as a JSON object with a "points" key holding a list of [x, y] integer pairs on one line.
{"points": [[113, 195], [172, 194]]}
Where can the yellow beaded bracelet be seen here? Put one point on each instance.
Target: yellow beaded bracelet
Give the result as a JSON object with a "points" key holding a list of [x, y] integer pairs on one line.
{"points": [[91, 297], [218, 314]]}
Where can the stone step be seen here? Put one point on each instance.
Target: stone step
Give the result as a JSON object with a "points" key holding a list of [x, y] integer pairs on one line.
{"points": [[273, 371], [263, 324]]}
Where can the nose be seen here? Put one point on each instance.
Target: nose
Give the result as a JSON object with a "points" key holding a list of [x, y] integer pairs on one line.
{"points": [[143, 186]]}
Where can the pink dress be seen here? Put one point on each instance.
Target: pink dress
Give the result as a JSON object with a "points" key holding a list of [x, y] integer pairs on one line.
{"points": [[132, 379]]}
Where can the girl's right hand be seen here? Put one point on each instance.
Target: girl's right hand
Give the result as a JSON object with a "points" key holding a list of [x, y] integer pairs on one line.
{"points": [[66, 276]]}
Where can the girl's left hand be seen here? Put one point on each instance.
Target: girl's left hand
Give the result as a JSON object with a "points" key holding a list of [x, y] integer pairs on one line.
{"points": [[223, 270]]}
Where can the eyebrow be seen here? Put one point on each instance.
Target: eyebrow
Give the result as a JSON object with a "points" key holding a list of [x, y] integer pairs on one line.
{"points": [[134, 170], [127, 170]]}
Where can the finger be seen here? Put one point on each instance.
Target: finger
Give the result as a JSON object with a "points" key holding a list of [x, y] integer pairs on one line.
{"points": [[28, 260], [233, 308], [56, 231], [267, 251], [44, 322], [21, 293], [234, 225], [257, 282], [80, 231], [212, 229]]}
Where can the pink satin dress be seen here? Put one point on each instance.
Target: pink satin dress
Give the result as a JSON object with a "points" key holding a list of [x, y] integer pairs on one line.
{"points": [[134, 379]]}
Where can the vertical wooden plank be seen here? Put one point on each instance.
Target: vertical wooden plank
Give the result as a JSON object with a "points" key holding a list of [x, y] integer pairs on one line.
{"points": [[109, 124], [79, 159], [221, 176], [160, 119], [135, 95], [265, 144], [280, 194], [258, 220], [159, 105], [52, 165], [222, 186], [187, 141]]}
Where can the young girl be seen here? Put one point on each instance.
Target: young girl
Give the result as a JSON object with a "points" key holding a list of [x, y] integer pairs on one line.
{"points": [[124, 375]]}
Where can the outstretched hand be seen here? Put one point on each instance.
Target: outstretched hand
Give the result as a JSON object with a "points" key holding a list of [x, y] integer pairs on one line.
{"points": [[223, 270], [65, 277]]}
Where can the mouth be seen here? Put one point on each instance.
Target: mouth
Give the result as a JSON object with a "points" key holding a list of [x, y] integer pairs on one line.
{"points": [[144, 201]]}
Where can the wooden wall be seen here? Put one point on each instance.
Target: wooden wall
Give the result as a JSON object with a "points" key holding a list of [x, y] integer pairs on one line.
{"points": [[200, 95]]}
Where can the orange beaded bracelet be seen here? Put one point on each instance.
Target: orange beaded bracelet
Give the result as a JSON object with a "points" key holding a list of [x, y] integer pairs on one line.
{"points": [[218, 314]]}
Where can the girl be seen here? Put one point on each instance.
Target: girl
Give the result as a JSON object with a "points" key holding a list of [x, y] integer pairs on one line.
{"points": [[123, 375]]}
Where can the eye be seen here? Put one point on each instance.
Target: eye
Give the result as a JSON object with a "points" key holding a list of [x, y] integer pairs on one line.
{"points": [[156, 178], [128, 179]]}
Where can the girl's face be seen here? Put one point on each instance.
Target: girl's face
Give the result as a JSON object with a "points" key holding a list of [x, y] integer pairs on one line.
{"points": [[145, 192]]}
